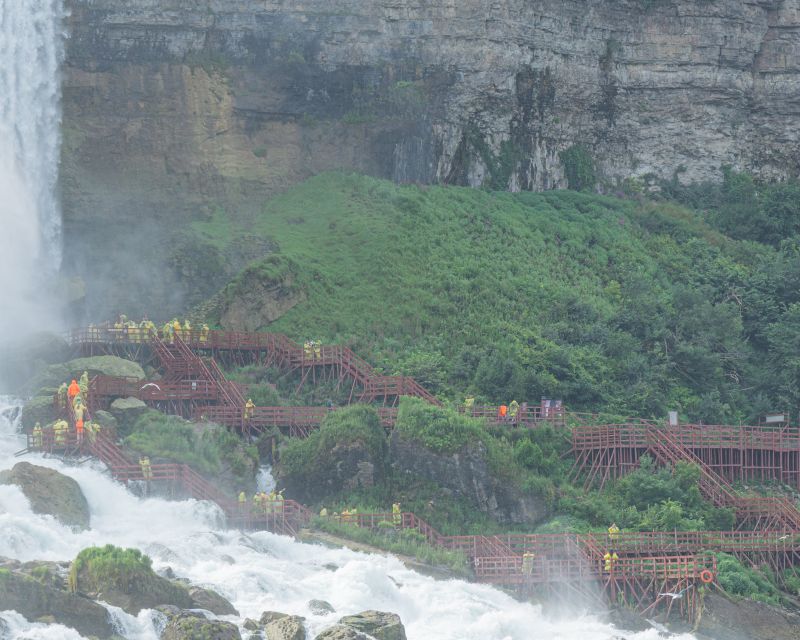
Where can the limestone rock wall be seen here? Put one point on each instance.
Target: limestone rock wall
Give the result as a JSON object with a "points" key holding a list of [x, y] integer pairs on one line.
{"points": [[175, 109]]}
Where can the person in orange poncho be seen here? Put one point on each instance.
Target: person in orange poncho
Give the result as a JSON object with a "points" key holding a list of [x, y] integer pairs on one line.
{"points": [[74, 389]]}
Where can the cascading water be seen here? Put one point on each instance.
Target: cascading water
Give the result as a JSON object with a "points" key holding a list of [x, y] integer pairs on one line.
{"points": [[31, 50], [260, 571]]}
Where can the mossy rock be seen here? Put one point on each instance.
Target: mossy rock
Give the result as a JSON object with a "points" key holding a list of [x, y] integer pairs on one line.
{"points": [[288, 628], [189, 625], [105, 420], [124, 578], [50, 492], [378, 624], [38, 409], [127, 410], [38, 601], [54, 374]]}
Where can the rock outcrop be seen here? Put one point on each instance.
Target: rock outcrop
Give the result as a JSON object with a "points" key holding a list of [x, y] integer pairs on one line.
{"points": [[287, 628], [258, 296], [367, 624], [378, 624], [188, 625], [188, 111], [321, 607], [126, 410], [50, 492], [349, 452], [724, 619], [41, 602], [466, 474], [124, 578], [341, 632], [211, 601]]}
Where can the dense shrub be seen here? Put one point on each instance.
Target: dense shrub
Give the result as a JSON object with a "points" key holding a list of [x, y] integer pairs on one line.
{"points": [[122, 569], [211, 449], [357, 423]]}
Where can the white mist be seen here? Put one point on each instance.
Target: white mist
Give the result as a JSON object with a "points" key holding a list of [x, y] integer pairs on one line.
{"points": [[31, 52]]}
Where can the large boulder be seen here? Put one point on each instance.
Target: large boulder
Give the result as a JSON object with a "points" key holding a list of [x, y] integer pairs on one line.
{"points": [[53, 375], [341, 632], [190, 625], [127, 410], [50, 492], [124, 578], [105, 420], [378, 624], [40, 602], [211, 601], [321, 607], [725, 619], [288, 628]]}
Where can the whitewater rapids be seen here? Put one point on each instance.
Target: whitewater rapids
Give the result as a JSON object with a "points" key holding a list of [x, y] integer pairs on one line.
{"points": [[258, 571]]}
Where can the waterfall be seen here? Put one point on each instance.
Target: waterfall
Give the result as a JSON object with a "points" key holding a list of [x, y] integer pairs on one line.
{"points": [[31, 52]]}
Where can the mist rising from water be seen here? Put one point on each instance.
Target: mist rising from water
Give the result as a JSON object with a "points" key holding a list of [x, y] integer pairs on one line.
{"points": [[31, 52]]}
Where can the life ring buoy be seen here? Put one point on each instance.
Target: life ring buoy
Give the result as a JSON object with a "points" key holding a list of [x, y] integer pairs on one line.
{"points": [[706, 577]]}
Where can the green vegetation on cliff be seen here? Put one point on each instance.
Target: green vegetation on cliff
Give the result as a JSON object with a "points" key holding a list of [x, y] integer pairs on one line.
{"points": [[209, 448], [633, 307]]}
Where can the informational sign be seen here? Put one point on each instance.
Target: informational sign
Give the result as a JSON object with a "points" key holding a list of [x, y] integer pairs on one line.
{"points": [[673, 418], [775, 417]]}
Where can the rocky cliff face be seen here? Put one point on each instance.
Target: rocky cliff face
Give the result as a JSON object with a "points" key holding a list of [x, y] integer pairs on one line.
{"points": [[177, 108]]}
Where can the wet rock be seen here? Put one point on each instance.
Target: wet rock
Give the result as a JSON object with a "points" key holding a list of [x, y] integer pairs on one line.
{"points": [[320, 607], [211, 601], [288, 628], [104, 419], [124, 578], [725, 619], [341, 632], [126, 410], [270, 616], [251, 625], [189, 625], [38, 601], [50, 492], [379, 624]]}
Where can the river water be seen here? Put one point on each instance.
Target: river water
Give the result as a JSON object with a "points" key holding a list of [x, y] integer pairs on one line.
{"points": [[260, 571]]}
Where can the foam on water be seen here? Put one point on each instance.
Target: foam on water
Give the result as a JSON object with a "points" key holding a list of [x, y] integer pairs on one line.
{"points": [[261, 571]]}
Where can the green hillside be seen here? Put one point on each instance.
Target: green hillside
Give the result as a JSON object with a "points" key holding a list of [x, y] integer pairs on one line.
{"points": [[627, 306]]}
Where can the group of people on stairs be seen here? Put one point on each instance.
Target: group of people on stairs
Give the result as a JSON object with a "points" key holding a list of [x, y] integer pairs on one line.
{"points": [[71, 399], [125, 330]]}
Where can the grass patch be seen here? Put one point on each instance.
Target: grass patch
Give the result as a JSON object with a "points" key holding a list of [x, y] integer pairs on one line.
{"points": [[618, 305]]}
